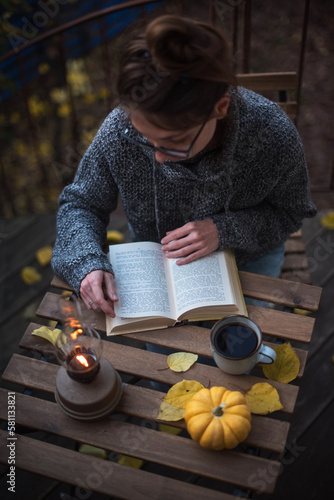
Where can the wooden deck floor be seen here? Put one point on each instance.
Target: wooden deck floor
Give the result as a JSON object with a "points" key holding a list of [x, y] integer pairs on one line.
{"points": [[307, 463]]}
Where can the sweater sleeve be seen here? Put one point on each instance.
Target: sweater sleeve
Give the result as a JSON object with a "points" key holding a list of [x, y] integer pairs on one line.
{"points": [[279, 171], [84, 209]]}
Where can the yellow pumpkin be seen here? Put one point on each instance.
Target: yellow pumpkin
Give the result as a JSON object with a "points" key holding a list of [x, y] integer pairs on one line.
{"points": [[218, 418]]}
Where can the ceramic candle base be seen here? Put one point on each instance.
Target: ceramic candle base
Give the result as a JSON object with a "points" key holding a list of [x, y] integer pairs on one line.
{"points": [[92, 401]]}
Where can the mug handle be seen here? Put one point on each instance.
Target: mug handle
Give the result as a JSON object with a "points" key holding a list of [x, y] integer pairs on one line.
{"points": [[267, 355]]}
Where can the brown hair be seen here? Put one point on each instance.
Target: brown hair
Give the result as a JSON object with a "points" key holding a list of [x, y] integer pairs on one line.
{"points": [[175, 71]]}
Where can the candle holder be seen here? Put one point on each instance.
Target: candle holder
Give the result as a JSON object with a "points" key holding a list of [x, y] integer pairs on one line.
{"points": [[87, 385]]}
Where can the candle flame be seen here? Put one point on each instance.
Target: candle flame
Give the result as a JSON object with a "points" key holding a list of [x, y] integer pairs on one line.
{"points": [[75, 334], [74, 322], [82, 360]]}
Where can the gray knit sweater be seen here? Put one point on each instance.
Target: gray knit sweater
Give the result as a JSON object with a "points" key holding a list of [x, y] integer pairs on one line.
{"points": [[253, 185]]}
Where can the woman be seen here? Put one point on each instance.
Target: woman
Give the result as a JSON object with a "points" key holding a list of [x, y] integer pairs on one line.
{"points": [[199, 164]]}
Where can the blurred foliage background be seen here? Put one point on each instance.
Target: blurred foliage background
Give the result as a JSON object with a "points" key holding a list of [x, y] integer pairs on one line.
{"points": [[56, 93]]}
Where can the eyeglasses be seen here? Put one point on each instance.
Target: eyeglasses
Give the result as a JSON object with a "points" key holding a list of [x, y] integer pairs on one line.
{"points": [[175, 153]]}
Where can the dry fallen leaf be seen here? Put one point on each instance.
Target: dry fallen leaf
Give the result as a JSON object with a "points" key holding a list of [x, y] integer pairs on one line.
{"points": [[136, 463], [46, 333], [114, 236], [286, 365], [52, 324], [170, 413], [43, 255], [169, 429], [182, 392], [327, 220], [87, 449], [301, 312], [263, 398], [30, 275], [181, 361], [173, 405]]}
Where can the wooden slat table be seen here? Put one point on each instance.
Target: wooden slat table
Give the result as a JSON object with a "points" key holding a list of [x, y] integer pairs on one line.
{"points": [[133, 428]]}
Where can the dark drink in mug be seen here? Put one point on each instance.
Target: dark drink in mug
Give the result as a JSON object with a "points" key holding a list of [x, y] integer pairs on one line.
{"points": [[236, 345], [236, 340]]}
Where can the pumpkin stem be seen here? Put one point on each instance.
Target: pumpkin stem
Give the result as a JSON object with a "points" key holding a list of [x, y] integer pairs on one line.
{"points": [[219, 410]]}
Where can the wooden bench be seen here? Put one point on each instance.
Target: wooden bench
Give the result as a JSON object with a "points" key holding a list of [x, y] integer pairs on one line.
{"points": [[279, 87], [295, 265]]}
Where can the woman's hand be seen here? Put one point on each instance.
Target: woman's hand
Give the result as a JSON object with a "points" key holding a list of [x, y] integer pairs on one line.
{"points": [[191, 241], [98, 292]]}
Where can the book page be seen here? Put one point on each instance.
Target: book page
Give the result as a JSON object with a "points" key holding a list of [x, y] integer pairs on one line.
{"points": [[140, 280], [203, 282]]}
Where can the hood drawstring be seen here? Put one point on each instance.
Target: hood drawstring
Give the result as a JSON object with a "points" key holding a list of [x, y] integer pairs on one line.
{"points": [[156, 212]]}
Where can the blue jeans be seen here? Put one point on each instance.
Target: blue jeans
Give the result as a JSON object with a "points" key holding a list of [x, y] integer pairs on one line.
{"points": [[268, 265]]}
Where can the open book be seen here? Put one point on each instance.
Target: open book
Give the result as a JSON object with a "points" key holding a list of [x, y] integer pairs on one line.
{"points": [[154, 292]]}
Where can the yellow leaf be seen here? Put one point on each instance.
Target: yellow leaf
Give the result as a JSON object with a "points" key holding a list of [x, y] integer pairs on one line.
{"points": [[37, 107], [47, 334], [43, 255], [182, 392], [136, 463], [93, 451], [45, 148], [181, 361], [170, 413], [30, 275], [263, 398], [59, 95], [286, 365], [327, 220], [89, 97], [64, 110], [78, 77], [169, 429], [301, 312], [29, 312], [114, 236]]}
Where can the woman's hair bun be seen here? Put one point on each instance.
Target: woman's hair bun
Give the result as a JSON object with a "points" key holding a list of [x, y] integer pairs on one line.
{"points": [[176, 71], [178, 44]]}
